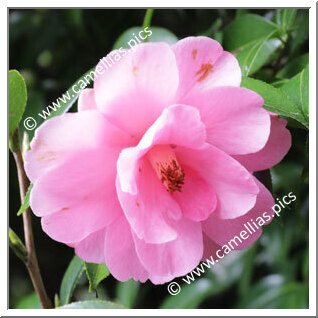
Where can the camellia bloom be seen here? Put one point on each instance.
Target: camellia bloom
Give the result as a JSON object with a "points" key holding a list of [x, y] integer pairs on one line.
{"points": [[155, 171]]}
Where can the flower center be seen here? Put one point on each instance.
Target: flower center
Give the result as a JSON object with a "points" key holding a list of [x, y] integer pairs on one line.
{"points": [[167, 168]]}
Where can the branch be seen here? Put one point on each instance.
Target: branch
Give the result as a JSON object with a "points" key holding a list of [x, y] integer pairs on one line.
{"points": [[31, 261]]}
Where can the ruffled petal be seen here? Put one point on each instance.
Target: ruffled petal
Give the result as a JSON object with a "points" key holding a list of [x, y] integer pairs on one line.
{"points": [[75, 185], [197, 198], [149, 211], [235, 120], [223, 231], [178, 125], [91, 249], [61, 137], [175, 258], [234, 186], [210, 248], [120, 253], [86, 100], [276, 148], [135, 90], [203, 65]]}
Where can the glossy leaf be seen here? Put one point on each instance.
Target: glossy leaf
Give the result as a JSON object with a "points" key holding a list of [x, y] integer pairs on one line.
{"points": [[293, 67], [158, 35], [305, 92], [70, 279], [17, 99], [279, 83], [92, 304], [17, 246], [245, 29], [286, 18], [127, 292], [257, 54], [275, 100], [25, 205], [297, 89], [301, 30], [95, 274]]}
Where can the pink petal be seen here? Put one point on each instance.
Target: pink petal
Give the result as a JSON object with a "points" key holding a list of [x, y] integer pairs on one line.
{"points": [[174, 258], [79, 221], [197, 199], [91, 249], [277, 146], [210, 248], [120, 253], [61, 137], [75, 204], [178, 125], [235, 120], [155, 279], [148, 212], [62, 192], [135, 90], [86, 100], [234, 186], [203, 64], [66, 185], [222, 231]]}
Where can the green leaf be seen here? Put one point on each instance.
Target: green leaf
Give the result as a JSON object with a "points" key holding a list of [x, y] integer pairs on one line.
{"points": [[245, 29], [95, 274], [256, 54], [17, 246], [158, 35], [92, 304], [29, 302], [305, 92], [274, 99], [280, 83], [25, 205], [127, 292], [286, 19], [17, 99], [70, 279], [297, 89], [293, 67], [301, 32]]}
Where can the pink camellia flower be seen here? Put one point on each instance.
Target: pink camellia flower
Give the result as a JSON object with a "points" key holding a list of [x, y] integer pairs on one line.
{"points": [[155, 171]]}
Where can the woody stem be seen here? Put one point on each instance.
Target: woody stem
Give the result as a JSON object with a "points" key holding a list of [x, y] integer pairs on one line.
{"points": [[31, 261]]}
